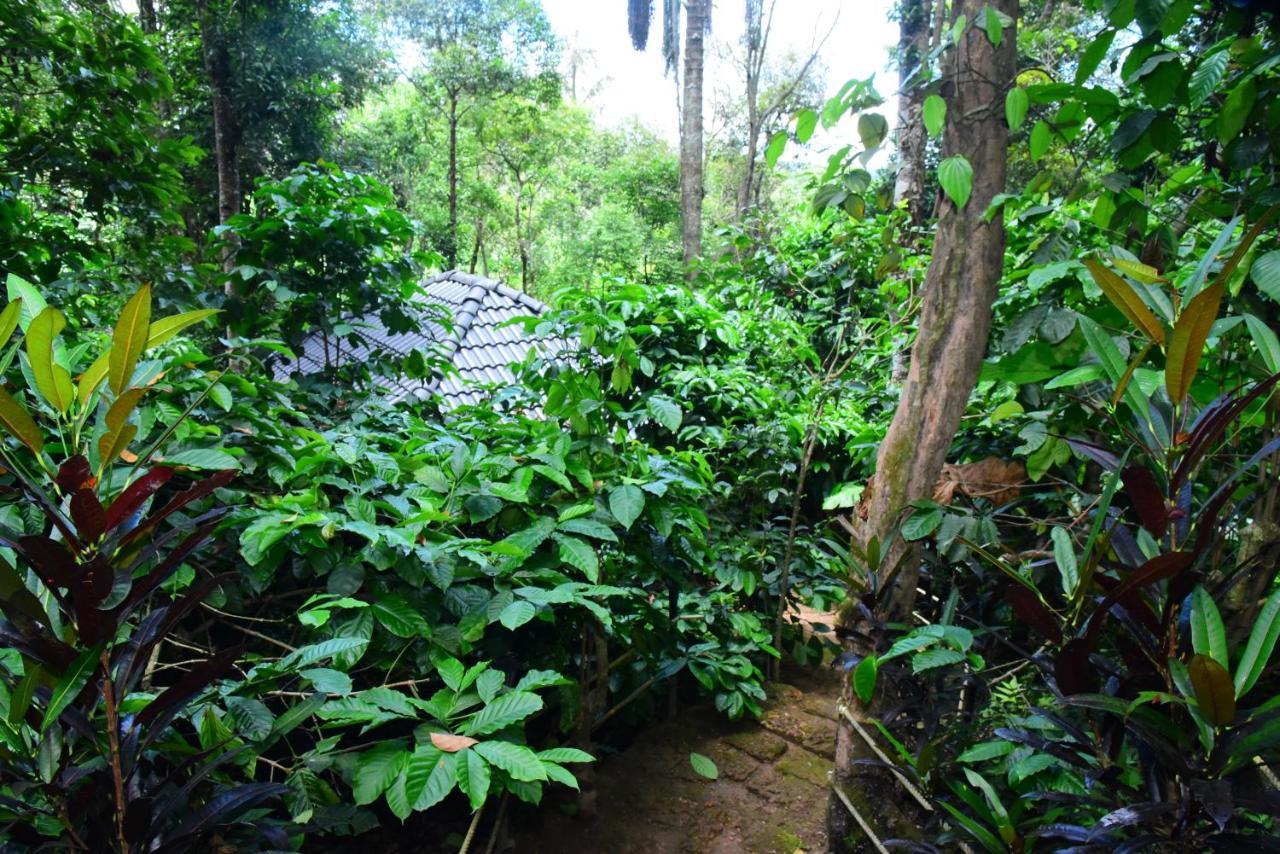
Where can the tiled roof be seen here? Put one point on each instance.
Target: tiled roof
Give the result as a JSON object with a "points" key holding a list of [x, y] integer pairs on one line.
{"points": [[463, 317]]}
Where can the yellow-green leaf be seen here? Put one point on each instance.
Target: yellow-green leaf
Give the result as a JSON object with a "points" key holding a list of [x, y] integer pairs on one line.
{"points": [[9, 319], [129, 339], [1215, 692], [91, 378], [1138, 270], [52, 380], [19, 424], [118, 434], [167, 327], [1127, 300], [1182, 358]]}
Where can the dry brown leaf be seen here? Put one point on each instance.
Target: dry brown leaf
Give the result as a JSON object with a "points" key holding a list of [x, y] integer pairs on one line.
{"points": [[997, 480], [451, 743]]}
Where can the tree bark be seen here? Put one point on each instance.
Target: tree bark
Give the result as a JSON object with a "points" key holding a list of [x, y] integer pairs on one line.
{"points": [[955, 322], [226, 127], [913, 36], [147, 19], [451, 250], [698, 14]]}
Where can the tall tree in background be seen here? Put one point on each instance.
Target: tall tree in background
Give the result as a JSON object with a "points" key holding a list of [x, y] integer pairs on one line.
{"points": [[697, 23], [474, 50], [913, 50], [955, 318]]}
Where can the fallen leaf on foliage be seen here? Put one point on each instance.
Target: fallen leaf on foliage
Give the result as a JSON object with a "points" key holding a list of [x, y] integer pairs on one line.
{"points": [[993, 478], [451, 743]]}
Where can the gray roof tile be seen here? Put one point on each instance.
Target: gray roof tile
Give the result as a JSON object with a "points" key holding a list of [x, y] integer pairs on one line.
{"points": [[477, 339]]}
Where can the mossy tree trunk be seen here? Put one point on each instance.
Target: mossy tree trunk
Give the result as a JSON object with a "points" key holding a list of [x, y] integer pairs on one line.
{"points": [[955, 318]]}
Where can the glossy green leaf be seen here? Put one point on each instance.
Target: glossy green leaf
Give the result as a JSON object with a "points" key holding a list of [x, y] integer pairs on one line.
{"points": [[70, 684], [1205, 79], [473, 778], [376, 770], [1016, 104], [52, 380], [864, 679], [516, 759], [1258, 649], [1266, 341], [9, 319], [504, 711], [935, 114], [1039, 141], [1208, 635], [18, 422], [129, 340], [703, 766], [626, 503], [773, 149], [956, 177], [806, 123], [32, 301], [1064, 555], [1265, 273], [580, 555]]}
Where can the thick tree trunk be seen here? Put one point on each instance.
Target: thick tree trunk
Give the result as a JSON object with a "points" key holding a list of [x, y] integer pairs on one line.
{"points": [[913, 37], [226, 127], [955, 319], [698, 13], [451, 250]]}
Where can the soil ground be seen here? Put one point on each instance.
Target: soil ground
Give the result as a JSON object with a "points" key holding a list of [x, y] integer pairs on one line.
{"points": [[770, 796]]}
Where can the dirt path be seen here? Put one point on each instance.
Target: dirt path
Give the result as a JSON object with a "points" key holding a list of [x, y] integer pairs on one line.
{"points": [[771, 794]]}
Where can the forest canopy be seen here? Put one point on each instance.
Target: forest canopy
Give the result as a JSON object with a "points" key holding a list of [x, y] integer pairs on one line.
{"points": [[955, 386]]}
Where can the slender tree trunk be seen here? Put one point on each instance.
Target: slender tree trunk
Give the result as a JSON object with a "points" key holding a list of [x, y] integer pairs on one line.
{"points": [[226, 127], [698, 14], [955, 321], [913, 37], [475, 246], [147, 19], [451, 249]]}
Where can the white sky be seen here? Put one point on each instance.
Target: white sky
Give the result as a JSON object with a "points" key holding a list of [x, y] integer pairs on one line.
{"points": [[633, 84]]}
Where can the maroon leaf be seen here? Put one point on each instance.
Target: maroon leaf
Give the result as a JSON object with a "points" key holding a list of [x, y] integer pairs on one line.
{"points": [[140, 490], [51, 560], [1210, 425], [1072, 669], [193, 682], [1156, 569], [195, 491], [1140, 485], [74, 474], [88, 514], [143, 587], [1029, 609]]}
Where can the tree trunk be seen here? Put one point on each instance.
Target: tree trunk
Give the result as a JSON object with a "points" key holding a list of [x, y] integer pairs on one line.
{"points": [[913, 37], [955, 321], [147, 19], [697, 20], [226, 127], [451, 249]]}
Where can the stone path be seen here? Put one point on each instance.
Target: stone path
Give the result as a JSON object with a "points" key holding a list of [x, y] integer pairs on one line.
{"points": [[771, 794]]}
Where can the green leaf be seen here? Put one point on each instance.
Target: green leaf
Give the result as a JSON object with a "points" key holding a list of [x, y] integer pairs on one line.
{"points": [[517, 614], [1265, 273], [1266, 341], [397, 616], [921, 523], [563, 755], [166, 328], [864, 679], [665, 411], [1064, 555], [773, 150], [806, 123], [52, 380], [956, 177], [70, 684], [328, 680], [440, 782], [987, 750], [590, 528], [703, 766], [935, 114], [19, 424], [473, 778], [1206, 77], [1261, 643], [626, 502], [129, 339], [524, 543], [209, 459], [1016, 104], [1208, 635], [1235, 110], [1093, 55], [1039, 141], [517, 760], [994, 26], [31, 300], [872, 128], [931, 658], [9, 319], [376, 769], [503, 712], [579, 555]]}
